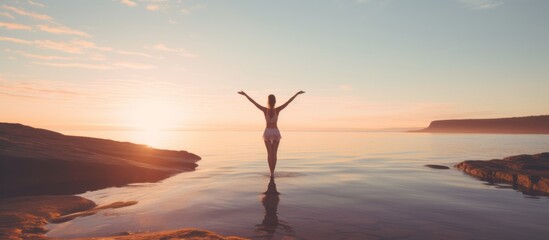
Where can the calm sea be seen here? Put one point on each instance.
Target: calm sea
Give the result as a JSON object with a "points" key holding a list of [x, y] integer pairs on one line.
{"points": [[333, 185]]}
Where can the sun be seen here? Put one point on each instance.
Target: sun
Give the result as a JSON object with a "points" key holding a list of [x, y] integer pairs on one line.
{"points": [[152, 116], [151, 119]]}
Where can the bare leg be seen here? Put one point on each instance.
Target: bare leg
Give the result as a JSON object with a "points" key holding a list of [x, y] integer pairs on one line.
{"points": [[269, 146], [274, 157]]}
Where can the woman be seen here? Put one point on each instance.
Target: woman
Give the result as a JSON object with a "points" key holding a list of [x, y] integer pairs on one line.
{"points": [[271, 136]]}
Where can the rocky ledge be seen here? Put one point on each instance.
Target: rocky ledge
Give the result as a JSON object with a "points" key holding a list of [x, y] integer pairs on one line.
{"points": [[528, 173], [41, 162]]}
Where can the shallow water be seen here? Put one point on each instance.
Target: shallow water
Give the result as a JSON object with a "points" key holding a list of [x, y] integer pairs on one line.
{"points": [[333, 186]]}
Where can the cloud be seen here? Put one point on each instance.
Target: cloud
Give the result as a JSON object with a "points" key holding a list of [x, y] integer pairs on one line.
{"points": [[36, 4], [133, 65], [128, 3], [481, 4], [59, 46], [74, 46], [191, 9], [134, 54], [23, 12], [15, 40], [8, 15], [75, 65], [153, 7], [33, 88], [61, 30], [179, 51], [38, 56], [14, 26], [96, 66]]}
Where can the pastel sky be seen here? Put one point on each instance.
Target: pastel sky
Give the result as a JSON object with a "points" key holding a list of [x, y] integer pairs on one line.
{"points": [[365, 64]]}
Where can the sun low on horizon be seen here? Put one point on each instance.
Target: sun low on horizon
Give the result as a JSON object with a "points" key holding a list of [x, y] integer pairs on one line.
{"points": [[159, 65]]}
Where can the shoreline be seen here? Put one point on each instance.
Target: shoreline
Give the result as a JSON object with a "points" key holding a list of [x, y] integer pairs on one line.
{"points": [[26, 217]]}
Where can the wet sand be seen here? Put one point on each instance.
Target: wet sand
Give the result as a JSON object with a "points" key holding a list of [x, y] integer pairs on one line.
{"points": [[25, 218]]}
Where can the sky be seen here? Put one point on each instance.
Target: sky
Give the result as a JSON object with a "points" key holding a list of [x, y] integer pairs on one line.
{"points": [[364, 64]]}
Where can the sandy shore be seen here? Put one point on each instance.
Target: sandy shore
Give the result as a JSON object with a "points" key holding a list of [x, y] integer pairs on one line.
{"points": [[25, 218]]}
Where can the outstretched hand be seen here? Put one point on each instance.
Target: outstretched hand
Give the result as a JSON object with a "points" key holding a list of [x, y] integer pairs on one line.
{"points": [[300, 92], [242, 93]]}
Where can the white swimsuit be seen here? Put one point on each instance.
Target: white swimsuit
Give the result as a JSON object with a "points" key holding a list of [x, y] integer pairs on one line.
{"points": [[271, 134]]}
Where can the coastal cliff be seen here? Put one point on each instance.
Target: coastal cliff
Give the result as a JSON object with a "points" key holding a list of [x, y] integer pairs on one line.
{"points": [[515, 125], [37, 162]]}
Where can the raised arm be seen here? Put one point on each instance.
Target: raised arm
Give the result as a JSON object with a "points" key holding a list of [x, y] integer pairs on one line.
{"points": [[251, 100], [289, 101]]}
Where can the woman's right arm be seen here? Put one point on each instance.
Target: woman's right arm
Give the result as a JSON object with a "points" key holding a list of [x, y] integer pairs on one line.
{"points": [[251, 100]]}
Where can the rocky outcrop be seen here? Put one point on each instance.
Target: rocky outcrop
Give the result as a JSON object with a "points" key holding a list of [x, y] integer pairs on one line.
{"points": [[26, 217], [41, 162], [516, 125], [528, 173]]}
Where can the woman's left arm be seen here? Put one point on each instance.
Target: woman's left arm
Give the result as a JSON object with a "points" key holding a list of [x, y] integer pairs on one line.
{"points": [[289, 101]]}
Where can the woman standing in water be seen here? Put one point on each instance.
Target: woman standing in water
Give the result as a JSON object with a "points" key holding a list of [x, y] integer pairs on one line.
{"points": [[271, 136]]}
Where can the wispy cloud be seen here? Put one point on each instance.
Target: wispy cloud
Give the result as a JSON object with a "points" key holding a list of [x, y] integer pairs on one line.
{"points": [[74, 46], [23, 12], [191, 9], [36, 4], [14, 26], [34, 89], [90, 45], [133, 65], [481, 4], [179, 51], [61, 30], [38, 56], [153, 7], [6, 14], [59, 46], [15, 40], [128, 3], [76, 65], [98, 66], [134, 54]]}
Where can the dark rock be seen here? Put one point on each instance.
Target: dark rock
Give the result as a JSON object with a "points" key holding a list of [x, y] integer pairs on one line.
{"points": [[528, 173], [41, 162], [433, 166]]}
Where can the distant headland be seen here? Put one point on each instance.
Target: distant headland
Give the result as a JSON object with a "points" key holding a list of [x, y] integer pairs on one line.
{"points": [[514, 125]]}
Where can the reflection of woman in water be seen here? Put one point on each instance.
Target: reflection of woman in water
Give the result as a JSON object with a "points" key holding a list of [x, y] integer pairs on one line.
{"points": [[270, 222], [271, 136]]}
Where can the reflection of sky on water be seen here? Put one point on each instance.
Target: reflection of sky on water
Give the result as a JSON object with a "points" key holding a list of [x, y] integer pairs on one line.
{"points": [[357, 185]]}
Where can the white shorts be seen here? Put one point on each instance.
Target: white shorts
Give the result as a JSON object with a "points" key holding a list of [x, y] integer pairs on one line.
{"points": [[271, 134]]}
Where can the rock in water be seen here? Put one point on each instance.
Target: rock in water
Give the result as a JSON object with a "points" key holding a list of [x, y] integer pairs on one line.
{"points": [[528, 173], [434, 166]]}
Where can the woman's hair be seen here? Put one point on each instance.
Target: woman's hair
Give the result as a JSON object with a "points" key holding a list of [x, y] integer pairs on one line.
{"points": [[272, 101]]}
